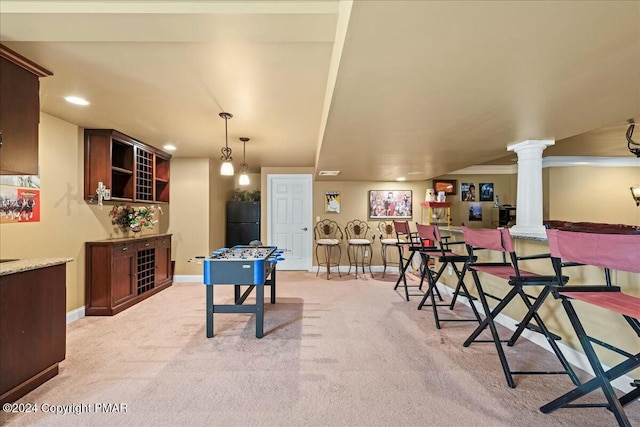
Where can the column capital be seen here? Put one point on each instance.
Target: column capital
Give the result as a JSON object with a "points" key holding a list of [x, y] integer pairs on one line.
{"points": [[531, 143]]}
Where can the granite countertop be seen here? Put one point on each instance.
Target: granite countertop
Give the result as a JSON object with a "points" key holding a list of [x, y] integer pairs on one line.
{"points": [[524, 236], [10, 267]]}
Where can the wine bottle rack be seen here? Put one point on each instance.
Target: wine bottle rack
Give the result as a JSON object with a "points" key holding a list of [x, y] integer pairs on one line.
{"points": [[146, 270], [144, 175]]}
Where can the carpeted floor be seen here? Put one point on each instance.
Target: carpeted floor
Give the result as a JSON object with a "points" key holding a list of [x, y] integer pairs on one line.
{"points": [[343, 352]]}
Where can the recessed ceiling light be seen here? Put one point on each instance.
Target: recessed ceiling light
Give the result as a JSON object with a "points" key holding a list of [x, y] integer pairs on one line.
{"points": [[328, 173], [169, 147], [401, 178], [76, 100]]}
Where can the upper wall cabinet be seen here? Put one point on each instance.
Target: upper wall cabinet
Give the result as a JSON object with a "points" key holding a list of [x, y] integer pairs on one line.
{"points": [[19, 113], [132, 170]]}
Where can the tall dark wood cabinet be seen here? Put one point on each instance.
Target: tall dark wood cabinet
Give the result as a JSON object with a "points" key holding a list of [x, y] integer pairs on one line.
{"points": [[123, 272], [132, 170], [19, 113]]}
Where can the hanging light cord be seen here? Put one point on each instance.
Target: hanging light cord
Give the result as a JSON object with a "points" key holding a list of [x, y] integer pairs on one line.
{"points": [[636, 146], [244, 166]]}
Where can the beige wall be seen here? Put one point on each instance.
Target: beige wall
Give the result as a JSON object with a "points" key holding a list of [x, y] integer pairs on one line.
{"points": [[593, 194], [190, 212], [67, 221], [354, 204], [504, 186]]}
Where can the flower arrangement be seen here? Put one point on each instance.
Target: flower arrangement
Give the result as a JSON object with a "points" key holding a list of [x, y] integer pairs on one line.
{"points": [[128, 218]]}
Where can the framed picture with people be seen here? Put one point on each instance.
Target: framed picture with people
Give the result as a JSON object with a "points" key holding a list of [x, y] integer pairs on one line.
{"points": [[467, 192], [384, 204]]}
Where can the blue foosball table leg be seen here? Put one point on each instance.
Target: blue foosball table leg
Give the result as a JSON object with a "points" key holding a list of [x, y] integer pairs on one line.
{"points": [[209, 291], [259, 311]]}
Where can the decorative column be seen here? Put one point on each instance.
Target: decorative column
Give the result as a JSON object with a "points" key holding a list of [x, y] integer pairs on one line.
{"points": [[529, 201]]}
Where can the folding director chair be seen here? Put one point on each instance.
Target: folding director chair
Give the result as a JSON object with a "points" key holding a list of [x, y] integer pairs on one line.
{"points": [[408, 243], [434, 246], [611, 252], [499, 240]]}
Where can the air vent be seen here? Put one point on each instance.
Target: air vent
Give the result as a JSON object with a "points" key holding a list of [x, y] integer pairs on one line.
{"points": [[328, 173]]}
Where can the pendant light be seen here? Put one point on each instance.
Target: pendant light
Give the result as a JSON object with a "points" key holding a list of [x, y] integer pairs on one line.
{"points": [[244, 167], [226, 169]]}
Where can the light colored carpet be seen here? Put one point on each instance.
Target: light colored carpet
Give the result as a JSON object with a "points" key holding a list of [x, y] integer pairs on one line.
{"points": [[342, 352]]}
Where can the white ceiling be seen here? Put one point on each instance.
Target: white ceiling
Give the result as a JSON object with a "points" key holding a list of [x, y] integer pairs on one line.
{"points": [[375, 89]]}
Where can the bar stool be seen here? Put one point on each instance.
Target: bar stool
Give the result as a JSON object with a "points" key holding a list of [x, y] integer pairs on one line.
{"points": [[388, 239], [328, 235], [436, 248], [499, 240], [359, 245], [611, 252]]}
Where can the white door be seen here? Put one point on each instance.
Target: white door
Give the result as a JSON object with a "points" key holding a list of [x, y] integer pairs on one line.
{"points": [[289, 225]]}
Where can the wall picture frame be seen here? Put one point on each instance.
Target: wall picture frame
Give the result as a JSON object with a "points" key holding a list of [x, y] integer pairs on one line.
{"points": [[449, 186], [390, 204], [467, 192], [486, 191], [332, 202]]}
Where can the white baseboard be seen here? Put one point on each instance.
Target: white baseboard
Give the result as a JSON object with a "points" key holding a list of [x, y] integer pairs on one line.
{"points": [[74, 315], [575, 357], [194, 278]]}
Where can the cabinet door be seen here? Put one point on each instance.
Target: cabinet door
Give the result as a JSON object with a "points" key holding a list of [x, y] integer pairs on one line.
{"points": [[123, 286], [163, 260], [19, 118]]}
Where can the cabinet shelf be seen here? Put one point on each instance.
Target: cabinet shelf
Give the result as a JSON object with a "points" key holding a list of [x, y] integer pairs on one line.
{"points": [[116, 169], [132, 170]]}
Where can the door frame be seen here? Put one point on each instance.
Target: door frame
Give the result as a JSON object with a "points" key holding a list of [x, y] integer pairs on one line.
{"points": [[309, 181]]}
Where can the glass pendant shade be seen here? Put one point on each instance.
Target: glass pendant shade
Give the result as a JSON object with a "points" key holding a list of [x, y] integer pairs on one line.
{"points": [[244, 179], [226, 169]]}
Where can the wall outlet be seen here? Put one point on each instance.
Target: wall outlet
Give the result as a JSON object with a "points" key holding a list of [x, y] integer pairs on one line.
{"points": [[317, 219], [366, 253], [450, 271]]}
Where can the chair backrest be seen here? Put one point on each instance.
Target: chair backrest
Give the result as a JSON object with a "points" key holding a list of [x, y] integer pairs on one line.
{"points": [[357, 229], [327, 229], [387, 230], [402, 227], [493, 239], [612, 251], [429, 235]]}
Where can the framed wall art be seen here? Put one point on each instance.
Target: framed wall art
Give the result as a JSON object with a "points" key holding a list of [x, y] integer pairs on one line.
{"points": [[486, 191], [449, 186], [467, 192], [396, 204], [332, 202]]}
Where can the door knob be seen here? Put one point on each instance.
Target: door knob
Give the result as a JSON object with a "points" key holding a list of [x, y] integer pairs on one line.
{"points": [[305, 229]]}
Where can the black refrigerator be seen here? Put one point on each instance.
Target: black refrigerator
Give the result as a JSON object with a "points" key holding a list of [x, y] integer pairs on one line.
{"points": [[243, 223]]}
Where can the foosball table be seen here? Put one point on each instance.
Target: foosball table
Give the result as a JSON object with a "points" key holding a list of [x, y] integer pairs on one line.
{"points": [[252, 266]]}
